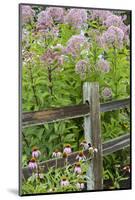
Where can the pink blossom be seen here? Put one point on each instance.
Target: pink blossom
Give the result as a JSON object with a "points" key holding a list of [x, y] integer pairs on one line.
{"points": [[51, 56], [75, 44], [76, 17], [103, 65], [107, 92], [64, 182], [102, 15], [113, 37], [81, 67], [77, 169], [113, 20], [57, 154], [32, 164], [118, 21], [67, 150], [36, 153], [56, 13], [44, 20], [27, 14], [81, 156]]}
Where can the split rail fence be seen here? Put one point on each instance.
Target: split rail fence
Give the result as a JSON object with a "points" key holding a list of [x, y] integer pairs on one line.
{"points": [[90, 110]]}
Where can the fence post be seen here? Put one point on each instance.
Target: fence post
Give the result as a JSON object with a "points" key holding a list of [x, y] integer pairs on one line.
{"points": [[92, 132]]}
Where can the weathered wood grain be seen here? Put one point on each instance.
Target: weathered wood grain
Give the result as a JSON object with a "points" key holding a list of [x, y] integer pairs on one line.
{"points": [[119, 139], [54, 115], [88, 133], [114, 105], [116, 144], [95, 134], [68, 112]]}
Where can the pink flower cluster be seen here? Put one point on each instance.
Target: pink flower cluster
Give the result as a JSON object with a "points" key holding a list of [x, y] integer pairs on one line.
{"points": [[110, 20], [103, 65], [47, 17], [101, 15], [76, 17], [118, 21], [56, 13], [27, 14], [81, 67], [44, 20], [51, 56], [113, 37], [107, 92], [75, 44], [113, 20], [33, 161]]}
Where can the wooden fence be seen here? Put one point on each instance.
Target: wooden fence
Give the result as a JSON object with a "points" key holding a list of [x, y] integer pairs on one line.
{"points": [[90, 110]]}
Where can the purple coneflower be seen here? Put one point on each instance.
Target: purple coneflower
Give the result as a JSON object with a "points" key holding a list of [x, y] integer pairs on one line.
{"points": [[32, 164], [67, 149], [57, 154], [85, 145], [64, 182], [35, 152], [81, 156], [77, 168]]}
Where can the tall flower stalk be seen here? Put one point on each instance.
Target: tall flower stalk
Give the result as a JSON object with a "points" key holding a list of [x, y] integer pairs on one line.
{"points": [[115, 71], [33, 86]]}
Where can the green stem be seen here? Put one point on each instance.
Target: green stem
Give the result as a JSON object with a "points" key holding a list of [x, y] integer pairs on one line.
{"points": [[33, 87], [115, 73], [50, 80], [25, 139]]}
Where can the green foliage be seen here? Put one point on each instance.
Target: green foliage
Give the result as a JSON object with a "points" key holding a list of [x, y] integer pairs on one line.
{"points": [[51, 181], [113, 165]]}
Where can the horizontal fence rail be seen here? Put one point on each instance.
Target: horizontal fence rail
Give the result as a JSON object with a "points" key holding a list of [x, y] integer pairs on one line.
{"points": [[116, 144], [114, 105], [68, 112], [109, 147]]}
